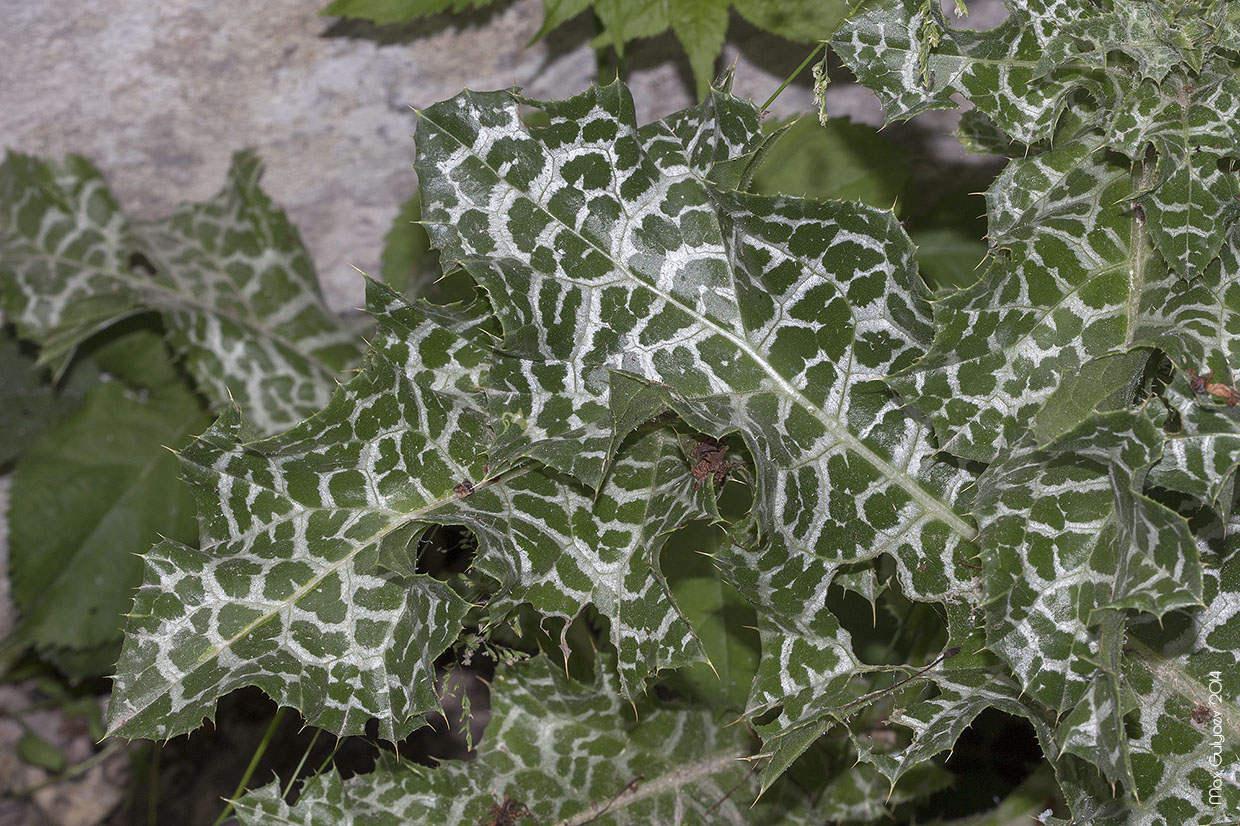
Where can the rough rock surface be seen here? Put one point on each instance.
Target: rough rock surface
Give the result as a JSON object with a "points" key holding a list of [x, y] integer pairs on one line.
{"points": [[160, 94]]}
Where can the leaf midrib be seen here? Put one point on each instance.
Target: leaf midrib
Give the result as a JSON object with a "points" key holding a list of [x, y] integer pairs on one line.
{"points": [[668, 783], [145, 286], [836, 428], [407, 517]]}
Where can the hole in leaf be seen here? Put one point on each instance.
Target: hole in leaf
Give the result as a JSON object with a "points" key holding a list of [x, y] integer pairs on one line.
{"points": [[139, 263], [446, 552], [723, 620], [767, 717], [466, 701], [994, 755], [665, 693], [554, 637], [886, 627], [196, 772], [982, 16], [532, 117]]}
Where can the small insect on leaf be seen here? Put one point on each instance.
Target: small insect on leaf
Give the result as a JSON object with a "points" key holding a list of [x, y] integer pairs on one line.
{"points": [[463, 489], [1202, 714], [506, 813], [708, 460], [1204, 384]]}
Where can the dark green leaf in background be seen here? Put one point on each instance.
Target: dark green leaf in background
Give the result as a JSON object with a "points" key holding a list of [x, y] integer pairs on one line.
{"points": [[89, 497], [29, 401], [230, 277], [841, 160], [399, 11], [699, 25]]}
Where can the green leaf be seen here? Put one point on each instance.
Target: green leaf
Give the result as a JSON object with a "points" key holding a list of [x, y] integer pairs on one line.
{"points": [[384, 12], [36, 751], [771, 317], [626, 20], [89, 496], [722, 619], [558, 12], [28, 399], [840, 159], [1067, 537], [799, 20], [948, 257], [408, 263], [700, 26], [230, 278], [563, 752]]}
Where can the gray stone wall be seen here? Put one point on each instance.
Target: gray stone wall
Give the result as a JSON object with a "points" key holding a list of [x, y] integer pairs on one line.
{"points": [[159, 95]]}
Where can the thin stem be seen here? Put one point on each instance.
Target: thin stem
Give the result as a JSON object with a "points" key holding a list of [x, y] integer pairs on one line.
{"points": [[249, 770], [788, 80], [946, 655], [304, 757]]}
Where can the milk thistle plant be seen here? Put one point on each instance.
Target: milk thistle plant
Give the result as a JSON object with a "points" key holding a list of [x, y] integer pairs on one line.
{"points": [[677, 410]]}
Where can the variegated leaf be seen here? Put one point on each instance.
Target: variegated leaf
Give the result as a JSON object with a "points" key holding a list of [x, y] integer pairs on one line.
{"points": [[1068, 540], [1197, 321], [285, 594], [604, 247], [1071, 273], [937, 721], [1184, 112], [1191, 120], [555, 751], [1145, 32], [1193, 210], [1185, 672], [1201, 454], [230, 278], [1155, 73], [905, 51]]}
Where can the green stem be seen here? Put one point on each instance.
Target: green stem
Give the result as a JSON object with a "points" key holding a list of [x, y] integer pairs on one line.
{"points": [[788, 80], [305, 756], [249, 770]]}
